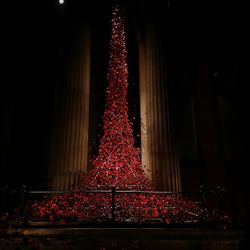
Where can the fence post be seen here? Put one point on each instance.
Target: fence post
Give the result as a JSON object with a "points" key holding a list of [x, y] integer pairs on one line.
{"points": [[113, 204], [202, 200], [220, 194], [23, 200]]}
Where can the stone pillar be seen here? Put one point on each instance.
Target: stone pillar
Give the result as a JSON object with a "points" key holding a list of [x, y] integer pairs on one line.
{"points": [[208, 127], [159, 156], [70, 143], [143, 105]]}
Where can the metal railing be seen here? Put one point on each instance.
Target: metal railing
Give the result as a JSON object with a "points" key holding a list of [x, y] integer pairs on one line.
{"points": [[10, 199]]}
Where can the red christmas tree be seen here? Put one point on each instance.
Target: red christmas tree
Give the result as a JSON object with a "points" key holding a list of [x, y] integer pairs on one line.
{"points": [[118, 162]]}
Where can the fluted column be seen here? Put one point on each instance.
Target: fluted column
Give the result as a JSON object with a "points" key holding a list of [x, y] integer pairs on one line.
{"points": [[159, 156], [208, 127], [143, 111], [70, 143]]}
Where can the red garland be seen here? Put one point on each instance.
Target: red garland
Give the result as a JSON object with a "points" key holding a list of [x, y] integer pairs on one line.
{"points": [[118, 163]]}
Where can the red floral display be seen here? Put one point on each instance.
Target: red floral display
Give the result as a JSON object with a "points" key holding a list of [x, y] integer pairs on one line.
{"points": [[118, 163]]}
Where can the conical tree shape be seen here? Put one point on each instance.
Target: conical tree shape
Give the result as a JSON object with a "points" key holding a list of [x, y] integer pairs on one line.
{"points": [[118, 162]]}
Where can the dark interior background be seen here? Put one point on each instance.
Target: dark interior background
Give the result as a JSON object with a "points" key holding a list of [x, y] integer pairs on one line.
{"points": [[35, 45]]}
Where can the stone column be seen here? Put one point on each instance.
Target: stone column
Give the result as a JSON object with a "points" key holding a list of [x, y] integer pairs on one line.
{"points": [[208, 127], [70, 143], [159, 156]]}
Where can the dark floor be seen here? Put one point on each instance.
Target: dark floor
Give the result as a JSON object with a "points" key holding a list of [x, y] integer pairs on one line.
{"points": [[68, 238]]}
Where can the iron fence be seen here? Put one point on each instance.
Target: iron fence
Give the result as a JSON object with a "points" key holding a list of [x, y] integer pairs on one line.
{"points": [[13, 202]]}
